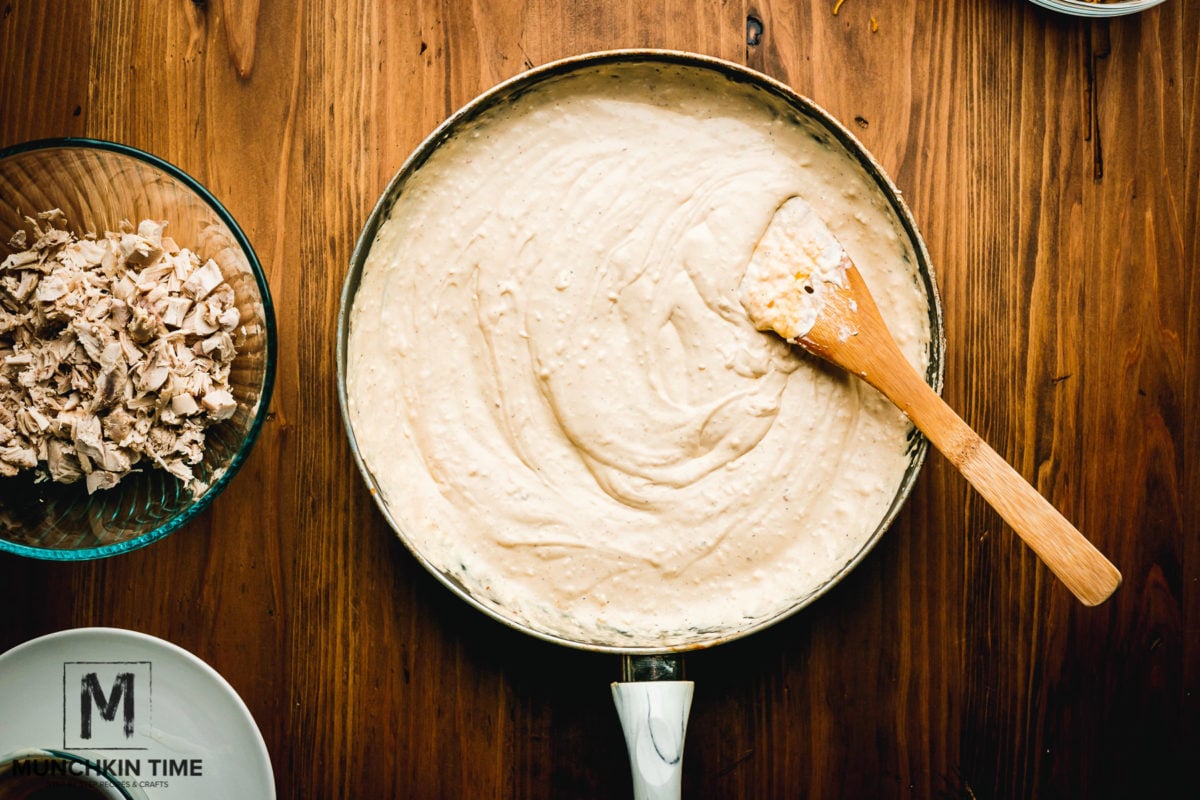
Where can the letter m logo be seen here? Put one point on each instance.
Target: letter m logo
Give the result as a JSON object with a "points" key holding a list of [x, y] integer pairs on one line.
{"points": [[91, 697], [106, 704]]}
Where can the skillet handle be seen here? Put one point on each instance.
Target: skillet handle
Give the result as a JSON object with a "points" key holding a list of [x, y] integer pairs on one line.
{"points": [[653, 705]]}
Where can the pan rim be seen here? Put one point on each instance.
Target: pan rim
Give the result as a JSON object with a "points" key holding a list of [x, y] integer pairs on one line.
{"points": [[730, 70]]}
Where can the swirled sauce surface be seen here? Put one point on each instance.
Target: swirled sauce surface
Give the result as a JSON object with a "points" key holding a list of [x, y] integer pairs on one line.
{"points": [[558, 393]]}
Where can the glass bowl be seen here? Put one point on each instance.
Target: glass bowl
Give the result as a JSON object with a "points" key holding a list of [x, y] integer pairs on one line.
{"points": [[97, 185], [1100, 8]]}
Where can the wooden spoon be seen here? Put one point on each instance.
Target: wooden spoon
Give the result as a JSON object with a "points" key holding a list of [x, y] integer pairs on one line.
{"points": [[803, 285]]}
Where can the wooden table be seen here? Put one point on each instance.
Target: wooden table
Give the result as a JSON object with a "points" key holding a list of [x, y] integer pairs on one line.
{"points": [[1053, 165]]}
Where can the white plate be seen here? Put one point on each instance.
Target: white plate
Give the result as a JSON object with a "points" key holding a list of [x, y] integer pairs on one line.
{"points": [[1110, 8], [189, 734]]}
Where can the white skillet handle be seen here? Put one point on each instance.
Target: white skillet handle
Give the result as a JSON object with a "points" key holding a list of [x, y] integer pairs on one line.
{"points": [[654, 714]]}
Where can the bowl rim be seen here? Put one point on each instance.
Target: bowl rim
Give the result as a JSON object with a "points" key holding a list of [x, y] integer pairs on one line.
{"points": [[1098, 10], [201, 503]]}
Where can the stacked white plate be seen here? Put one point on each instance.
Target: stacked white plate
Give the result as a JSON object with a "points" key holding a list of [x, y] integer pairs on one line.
{"points": [[1100, 8], [148, 712]]}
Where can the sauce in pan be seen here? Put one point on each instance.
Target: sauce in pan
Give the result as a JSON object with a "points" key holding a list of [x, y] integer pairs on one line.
{"points": [[558, 393]]}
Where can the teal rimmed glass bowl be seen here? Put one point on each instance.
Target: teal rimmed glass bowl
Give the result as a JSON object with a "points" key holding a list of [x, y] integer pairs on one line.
{"points": [[97, 184]]}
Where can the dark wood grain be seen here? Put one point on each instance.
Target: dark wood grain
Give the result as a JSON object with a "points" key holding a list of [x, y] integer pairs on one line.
{"points": [[1053, 165]]}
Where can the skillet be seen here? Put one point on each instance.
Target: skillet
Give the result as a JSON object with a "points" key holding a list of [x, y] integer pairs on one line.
{"points": [[652, 699]]}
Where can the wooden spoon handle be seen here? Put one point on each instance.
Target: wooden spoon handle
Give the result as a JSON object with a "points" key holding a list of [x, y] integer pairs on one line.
{"points": [[850, 332], [1069, 555]]}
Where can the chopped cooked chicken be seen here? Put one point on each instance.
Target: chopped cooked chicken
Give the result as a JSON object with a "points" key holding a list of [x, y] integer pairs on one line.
{"points": [[114, 351]]}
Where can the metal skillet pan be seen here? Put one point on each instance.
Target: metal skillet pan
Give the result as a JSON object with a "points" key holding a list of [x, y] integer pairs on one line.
{"points": [[652, 699]]}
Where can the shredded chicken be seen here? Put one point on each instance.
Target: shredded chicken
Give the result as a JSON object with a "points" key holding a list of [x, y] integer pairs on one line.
{"points": [[115, 353]]}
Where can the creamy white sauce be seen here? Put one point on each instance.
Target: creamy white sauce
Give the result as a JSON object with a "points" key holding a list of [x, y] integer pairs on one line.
{"points": [[561, 399]]}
